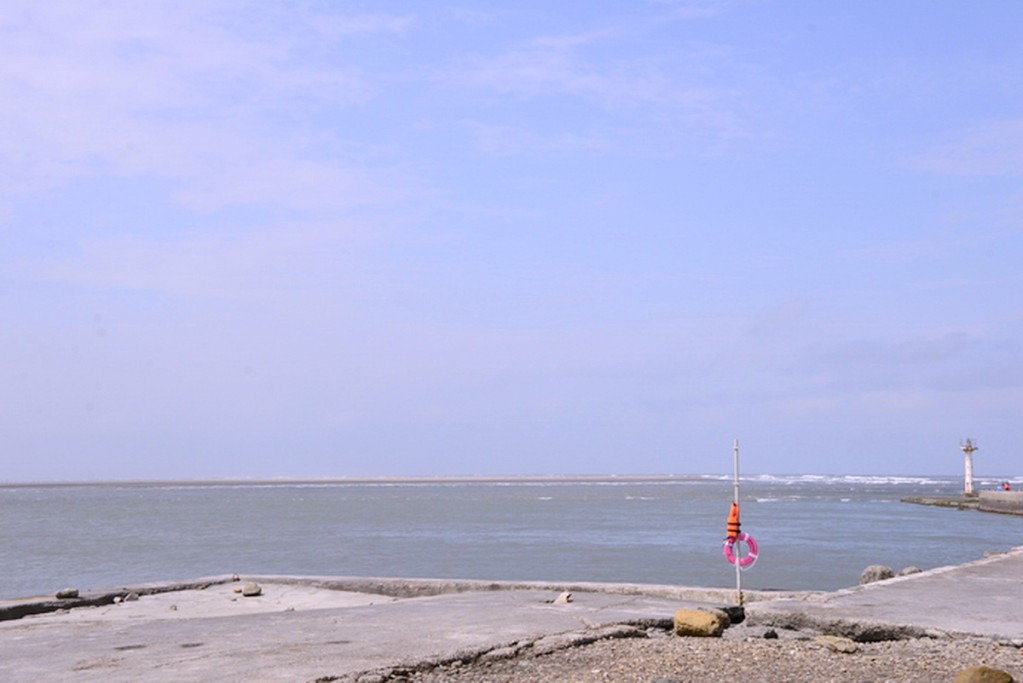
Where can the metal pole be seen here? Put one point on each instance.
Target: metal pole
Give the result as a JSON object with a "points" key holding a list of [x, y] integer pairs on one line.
{"points": [[735, 486]]}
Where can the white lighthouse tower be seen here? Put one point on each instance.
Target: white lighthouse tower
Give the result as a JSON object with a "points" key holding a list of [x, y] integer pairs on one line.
{"points": [[968, 448]]}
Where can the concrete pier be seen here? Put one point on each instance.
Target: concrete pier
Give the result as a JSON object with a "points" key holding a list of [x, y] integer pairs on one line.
{"points": [[309, 628], [958, 502], [1003, 502]]}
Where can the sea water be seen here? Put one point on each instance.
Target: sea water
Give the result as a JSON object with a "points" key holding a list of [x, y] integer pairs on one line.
{"points": [[813, 532]]}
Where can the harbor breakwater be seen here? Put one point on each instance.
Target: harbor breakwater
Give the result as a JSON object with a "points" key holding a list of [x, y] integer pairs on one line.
{"points": [[1002, 502], [1006, 502]]}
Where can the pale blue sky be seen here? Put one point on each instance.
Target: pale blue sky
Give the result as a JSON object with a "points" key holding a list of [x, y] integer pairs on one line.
{"points": [[244, 239]]}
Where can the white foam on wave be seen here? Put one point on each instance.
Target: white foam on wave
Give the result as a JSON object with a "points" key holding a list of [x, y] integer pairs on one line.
{"points": [[847, 479]]}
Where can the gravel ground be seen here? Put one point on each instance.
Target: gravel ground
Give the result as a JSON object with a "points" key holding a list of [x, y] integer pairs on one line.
{"points": [[657, 656]]}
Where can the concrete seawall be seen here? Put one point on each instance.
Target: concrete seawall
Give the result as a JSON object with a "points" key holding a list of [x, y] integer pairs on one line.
{"points": [[1002, 502], [330, 628], [1005, 502]]}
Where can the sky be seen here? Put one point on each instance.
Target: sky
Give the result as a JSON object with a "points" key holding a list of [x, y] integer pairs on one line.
{"points": [[330, 239]]}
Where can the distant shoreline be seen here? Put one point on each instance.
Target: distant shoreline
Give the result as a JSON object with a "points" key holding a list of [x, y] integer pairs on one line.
{"points": [[469, 479], [334, 481]]}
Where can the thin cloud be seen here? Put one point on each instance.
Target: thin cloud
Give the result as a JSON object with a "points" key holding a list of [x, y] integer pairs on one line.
{"points": [[679, 94], [167, 92], [279, 264], [956, 361], [500, 140], [991, 149], [898, 354], [695, 9], [364, 23]]}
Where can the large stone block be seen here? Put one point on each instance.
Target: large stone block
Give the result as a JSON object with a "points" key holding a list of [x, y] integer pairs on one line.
{"points": [[692, 622], [982, 674]]}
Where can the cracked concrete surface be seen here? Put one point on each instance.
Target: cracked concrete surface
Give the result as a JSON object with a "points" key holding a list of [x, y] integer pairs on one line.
{"points": [[147, 640], [308, 628]]}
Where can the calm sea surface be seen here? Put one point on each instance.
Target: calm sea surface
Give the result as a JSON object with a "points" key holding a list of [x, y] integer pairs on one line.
{"points": [[814, 532]]}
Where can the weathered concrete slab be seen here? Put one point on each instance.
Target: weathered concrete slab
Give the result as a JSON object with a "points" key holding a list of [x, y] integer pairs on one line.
{"points": [[154, 643], [305, 628], [386, 586], [982, 598], [1005, 502], [957, 502]]}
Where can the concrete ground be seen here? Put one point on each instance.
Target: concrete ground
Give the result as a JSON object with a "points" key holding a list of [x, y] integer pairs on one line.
{"points": [[215, 634], [304, 629], [982, 598]]}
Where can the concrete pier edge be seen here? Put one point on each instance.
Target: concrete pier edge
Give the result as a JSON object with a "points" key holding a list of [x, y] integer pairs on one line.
{"points": [[853, 612], [395, 587], [423, 623]]}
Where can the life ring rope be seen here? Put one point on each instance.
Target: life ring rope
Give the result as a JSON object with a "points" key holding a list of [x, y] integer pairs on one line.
{"points": [[747, 560]]}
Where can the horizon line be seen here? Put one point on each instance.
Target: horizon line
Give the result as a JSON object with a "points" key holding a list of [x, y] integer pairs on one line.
{"points": [[428, 479]]}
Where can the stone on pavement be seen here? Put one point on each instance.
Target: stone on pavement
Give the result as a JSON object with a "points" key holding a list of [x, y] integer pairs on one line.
{"points": [[725, 617], [837, 644], [699, 623], [982, 674], [876, 572], [251, 589]]}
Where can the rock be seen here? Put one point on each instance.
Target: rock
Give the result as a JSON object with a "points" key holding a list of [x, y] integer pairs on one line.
{"points": [[235, 577], [906, 571], [994, 553], [694, 622], [837, 644], [173, 608], [251, 589], [66, 593], [719, 612], [563, 599], [736, 613], [237, 589], [118, 599], [372, 678], [982, 674], [771, 634], [131, 597], [876, 572]]}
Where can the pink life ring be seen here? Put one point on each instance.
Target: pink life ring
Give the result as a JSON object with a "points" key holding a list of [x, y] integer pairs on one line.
{"points": [[746, 560]]}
